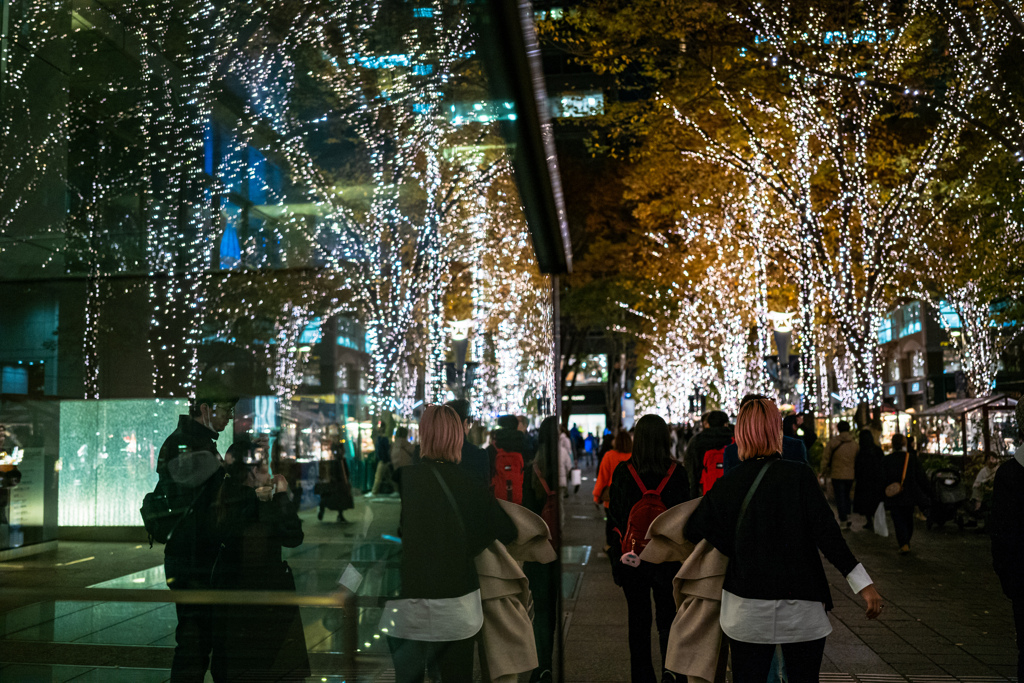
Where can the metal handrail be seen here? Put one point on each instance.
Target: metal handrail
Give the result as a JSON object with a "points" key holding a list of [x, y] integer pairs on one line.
{"points": [[342, 599]]}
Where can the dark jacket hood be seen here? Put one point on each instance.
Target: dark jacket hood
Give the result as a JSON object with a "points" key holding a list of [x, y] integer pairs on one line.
{"points": [[512, 440], [713, 437], [193, 468]]}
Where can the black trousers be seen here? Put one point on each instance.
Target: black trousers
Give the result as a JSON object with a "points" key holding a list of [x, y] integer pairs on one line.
{"points": [[752, 661], [453, 659], [903, 521], [1018, 622], [640, 584], [842, 488], [194, 635], [543, 580]]}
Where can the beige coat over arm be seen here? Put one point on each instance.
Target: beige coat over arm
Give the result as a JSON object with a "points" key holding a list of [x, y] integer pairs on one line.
{"points": [[507, 633], [695, 644]]}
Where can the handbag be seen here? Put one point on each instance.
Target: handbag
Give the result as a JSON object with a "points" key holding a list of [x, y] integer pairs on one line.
{"points": [[896, 488]]}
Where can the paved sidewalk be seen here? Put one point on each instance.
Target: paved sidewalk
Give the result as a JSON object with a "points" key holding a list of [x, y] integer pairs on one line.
{"points": [[945, 617]]}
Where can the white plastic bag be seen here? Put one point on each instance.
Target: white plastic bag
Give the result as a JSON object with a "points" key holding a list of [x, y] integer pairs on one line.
{"points": [[575, 477], [881, 524]]}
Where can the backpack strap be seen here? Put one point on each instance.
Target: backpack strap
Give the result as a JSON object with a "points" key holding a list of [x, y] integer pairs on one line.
{"points": [[636, 478], [540, 478], [661, 486]]}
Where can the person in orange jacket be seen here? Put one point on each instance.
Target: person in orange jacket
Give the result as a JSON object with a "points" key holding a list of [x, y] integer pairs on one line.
{"points": [[621, 450]]}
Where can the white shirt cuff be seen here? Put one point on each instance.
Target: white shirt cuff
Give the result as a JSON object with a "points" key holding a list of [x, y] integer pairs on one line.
{"points": [[858, 579]]}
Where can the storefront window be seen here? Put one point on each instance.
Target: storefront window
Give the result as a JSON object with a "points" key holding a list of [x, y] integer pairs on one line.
{"points": [[917, 363], [885, 330], [950, 360], [911, 319], [892, 366]]}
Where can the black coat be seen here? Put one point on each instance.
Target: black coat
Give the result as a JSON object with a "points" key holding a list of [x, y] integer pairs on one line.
{"points": [[915, 485], [193, 543], [1006, 526], [252, 534], [437, 555], [774, 556], [336, 490], [869, 473], [476, 463]]}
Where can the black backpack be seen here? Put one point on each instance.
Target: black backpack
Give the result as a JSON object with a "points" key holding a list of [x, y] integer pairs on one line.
{"points": [[160, 517]]}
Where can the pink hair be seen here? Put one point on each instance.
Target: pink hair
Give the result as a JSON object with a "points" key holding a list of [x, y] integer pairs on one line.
{"points": [[758, 429], [441, 434]]}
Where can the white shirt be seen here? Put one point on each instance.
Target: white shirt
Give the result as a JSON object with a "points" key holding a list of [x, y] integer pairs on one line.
{"points": [[433, 620], [781, 621]]}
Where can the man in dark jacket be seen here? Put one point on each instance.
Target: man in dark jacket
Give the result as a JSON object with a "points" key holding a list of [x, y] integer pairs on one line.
{"points": [[475, 461], [509, 439], [1006, 526], [190, 474], [717, 433]]}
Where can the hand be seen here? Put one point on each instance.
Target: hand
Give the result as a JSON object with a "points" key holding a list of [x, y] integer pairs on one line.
{"points": [[873, 601], [279, 483]]}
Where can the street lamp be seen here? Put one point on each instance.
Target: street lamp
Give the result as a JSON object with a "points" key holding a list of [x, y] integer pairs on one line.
{"points": [[784, 378], [460, 374]]}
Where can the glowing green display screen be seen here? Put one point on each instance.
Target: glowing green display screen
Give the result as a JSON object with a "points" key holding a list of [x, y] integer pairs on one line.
{"points": [[108, 454]]}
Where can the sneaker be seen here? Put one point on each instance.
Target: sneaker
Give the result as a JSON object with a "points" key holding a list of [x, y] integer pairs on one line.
{"points": [[905, 549], [369, 494]]}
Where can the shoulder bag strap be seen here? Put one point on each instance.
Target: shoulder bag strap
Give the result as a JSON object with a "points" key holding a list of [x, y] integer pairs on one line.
{"points": [[906, 461], [661, 486], [636, 478], [750, 494], [451, 499], [188, 510], [540, 478]]}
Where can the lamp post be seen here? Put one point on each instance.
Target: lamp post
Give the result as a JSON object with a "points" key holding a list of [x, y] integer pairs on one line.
{"points": [[460, 374], [784, 378]]}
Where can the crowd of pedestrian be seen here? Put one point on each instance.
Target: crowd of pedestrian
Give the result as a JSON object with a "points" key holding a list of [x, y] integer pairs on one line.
{"points": [[719, 527]]}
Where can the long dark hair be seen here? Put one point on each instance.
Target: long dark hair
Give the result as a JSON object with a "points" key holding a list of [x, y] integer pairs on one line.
{"points": [[547, 451], [651, 445]]}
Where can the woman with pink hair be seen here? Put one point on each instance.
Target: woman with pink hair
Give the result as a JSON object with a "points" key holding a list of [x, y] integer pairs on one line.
{"points": [[770, 518], [448, 518]]}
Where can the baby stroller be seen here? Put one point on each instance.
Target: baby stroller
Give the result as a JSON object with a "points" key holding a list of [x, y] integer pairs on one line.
{"points": [[947, 498]]}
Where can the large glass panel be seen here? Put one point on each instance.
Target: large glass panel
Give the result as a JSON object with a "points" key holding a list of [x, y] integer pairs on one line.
{"points": [[244, 248]]}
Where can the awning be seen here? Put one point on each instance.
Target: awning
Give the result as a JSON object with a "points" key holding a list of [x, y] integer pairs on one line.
{"points": [[960, 406]]}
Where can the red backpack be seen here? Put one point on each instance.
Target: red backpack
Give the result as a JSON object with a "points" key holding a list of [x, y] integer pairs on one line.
{"points": [[507, 483], [645, 511], [714, 467], [549, 513]]}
